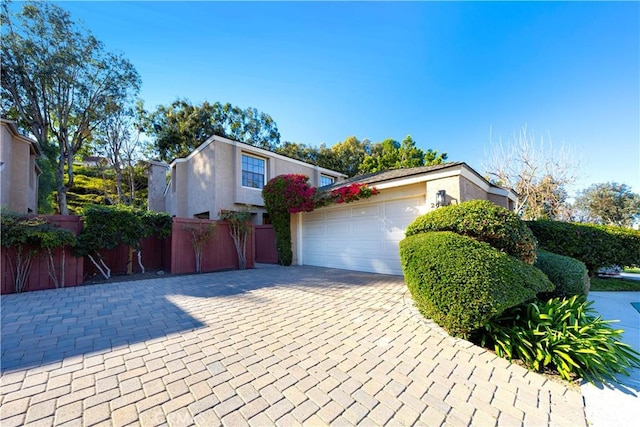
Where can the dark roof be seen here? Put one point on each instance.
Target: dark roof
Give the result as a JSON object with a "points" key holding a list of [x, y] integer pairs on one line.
{"points": [[389, 175]]}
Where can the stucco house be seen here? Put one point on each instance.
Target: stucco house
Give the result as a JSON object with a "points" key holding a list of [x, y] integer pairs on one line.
{"points": [[19, 171], [360, 236], [364, 235], [223, 174]]}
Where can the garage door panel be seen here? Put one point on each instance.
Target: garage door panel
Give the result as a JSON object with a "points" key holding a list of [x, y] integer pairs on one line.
{"points": [[364, 240], [371, 211], [337, 229], [313, 231], [314, 216], [365, 227], [337, 213], [403, 208]]}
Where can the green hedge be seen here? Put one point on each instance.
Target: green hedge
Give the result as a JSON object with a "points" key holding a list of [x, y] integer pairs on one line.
{"points": [[462, 283], [484, 221], [568, 274], [595, 245]]}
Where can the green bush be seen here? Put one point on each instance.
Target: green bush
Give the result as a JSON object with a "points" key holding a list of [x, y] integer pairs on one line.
{"points": [[565, 335], [595, 245], [484, 221], [568, 274], [461, 283]]}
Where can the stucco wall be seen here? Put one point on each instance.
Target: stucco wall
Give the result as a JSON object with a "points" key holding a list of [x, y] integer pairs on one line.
{"points": [[19, 177], [157, 184], [500, 201], [6, 156], [210, 179], [451, 185], [470, 191]]}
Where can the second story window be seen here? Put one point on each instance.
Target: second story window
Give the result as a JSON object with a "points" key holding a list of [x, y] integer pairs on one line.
{"points": [[326, 180], [253, 171]]}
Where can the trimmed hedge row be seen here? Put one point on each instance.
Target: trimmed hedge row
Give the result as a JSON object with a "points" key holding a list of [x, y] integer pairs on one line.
{"points": [[461, 283], [484, 221], [568, 275], [595, 245]]}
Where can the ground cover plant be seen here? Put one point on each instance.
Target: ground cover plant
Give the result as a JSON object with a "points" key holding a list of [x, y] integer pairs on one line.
{"points": [[563, 335]]}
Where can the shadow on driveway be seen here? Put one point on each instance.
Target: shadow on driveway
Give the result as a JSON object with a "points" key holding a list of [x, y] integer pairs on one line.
{"points": [[45, 327]]}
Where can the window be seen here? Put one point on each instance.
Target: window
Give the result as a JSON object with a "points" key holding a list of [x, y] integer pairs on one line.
{"points": [[253, 171], [326, 180]]}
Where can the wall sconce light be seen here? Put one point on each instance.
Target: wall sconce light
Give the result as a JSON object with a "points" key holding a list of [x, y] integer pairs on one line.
{"points": [[441, 198]]}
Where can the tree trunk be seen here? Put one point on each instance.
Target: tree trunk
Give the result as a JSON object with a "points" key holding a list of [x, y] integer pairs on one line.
{"points": [[62, 200], [62, 190]]}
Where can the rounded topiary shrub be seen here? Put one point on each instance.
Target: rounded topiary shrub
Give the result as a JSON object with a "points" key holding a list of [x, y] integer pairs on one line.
{"points": [[462, 283], [568, 275], [484, 221]]}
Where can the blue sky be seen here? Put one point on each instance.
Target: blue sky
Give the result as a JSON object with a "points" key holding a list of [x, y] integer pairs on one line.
{"points": [[449, 74]]}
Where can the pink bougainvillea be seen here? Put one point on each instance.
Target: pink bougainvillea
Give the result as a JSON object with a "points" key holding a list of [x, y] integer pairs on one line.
{"points": [[351, 193], [290, 193]]}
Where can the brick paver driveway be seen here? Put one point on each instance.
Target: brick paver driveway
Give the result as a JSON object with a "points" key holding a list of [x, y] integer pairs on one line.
{"points": [[283, 346]]}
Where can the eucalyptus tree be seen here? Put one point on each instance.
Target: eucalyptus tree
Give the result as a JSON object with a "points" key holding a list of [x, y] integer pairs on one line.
{"points": [[182, 126], [60, 82], [608, 203], [391, 154]]}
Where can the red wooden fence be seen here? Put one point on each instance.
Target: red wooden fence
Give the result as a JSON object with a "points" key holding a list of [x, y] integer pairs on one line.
{"points": [[266, 244], [174, 254], [219, 253], [39, 278]]}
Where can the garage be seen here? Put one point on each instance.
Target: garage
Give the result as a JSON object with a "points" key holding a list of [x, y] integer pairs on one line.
{"points": [[361, 236], [364, 235]]}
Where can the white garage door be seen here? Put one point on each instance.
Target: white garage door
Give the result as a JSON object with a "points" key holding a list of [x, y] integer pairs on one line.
{"points": [[358, 236]]}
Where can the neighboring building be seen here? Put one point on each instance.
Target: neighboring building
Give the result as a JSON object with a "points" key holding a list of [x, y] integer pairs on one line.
{"points": [[222, 174], [364, 235], [19, 170]]}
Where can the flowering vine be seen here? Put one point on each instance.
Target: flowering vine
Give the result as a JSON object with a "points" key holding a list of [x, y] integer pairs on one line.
{"points": [[287, 194]]}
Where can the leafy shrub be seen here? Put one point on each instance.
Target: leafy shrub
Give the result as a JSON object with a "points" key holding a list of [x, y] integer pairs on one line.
{"points": [[595, 245], [568, 274], [31, 236], [561, 334], [461, 283], [484, 221], [105, 227]]}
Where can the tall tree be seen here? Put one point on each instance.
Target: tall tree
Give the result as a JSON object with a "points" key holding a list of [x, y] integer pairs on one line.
{"points": [[609, 203], [390, 154], [118, 140], [539, 174], [350, 154], [60, 82], [181, 127]]}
